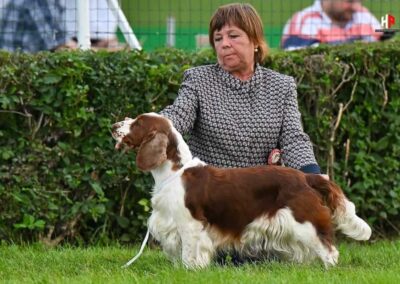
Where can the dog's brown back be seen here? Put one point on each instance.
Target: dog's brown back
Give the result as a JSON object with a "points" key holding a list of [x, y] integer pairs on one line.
{"points": [[253, 192]]}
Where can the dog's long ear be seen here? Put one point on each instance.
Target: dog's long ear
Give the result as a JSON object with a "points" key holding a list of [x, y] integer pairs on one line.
{"points": [[152, 152]]}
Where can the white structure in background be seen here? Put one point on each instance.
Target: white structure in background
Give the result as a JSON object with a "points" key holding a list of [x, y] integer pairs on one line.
{"points": [[97, 19], [82, 21], [124, 26], [171, 31]]}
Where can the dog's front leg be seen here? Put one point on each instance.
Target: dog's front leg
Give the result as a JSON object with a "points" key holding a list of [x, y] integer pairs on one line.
{"points": [[197, 247], [164, 230], [172, 247]]}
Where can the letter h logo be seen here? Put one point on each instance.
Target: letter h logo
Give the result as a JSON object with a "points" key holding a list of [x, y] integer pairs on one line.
{"points": [[387, 21]]}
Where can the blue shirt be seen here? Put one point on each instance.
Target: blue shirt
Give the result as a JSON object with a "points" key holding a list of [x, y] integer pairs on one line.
{"points": [[32, 25]]}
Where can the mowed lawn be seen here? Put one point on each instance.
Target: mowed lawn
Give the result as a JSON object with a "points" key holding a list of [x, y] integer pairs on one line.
{"points": [[377, 262]]}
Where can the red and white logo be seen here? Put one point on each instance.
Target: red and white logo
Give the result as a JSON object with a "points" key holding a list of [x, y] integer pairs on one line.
{"points": [[388, 21]]}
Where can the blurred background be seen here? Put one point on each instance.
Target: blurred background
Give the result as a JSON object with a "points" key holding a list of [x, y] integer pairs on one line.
{"points": [[149, 18], [184, 23]]}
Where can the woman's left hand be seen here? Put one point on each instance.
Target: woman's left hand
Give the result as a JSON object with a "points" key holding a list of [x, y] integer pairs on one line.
{"points": [[325, 176]]}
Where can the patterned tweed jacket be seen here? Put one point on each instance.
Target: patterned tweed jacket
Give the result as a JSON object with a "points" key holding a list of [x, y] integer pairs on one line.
{"points": [[234, 123]]}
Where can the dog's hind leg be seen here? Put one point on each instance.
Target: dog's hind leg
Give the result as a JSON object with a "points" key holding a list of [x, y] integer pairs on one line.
{"points": [[314, 244], [343, 210]]}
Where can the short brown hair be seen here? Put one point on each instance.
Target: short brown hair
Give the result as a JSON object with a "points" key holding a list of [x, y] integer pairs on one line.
{"points": [[245, 17]]}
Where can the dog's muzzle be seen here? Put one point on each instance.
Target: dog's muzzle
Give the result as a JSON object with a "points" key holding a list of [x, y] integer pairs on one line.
{"points": [[120, 129]]}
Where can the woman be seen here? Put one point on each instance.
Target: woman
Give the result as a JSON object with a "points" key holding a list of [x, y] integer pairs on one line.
{"points": [[237, 111]]}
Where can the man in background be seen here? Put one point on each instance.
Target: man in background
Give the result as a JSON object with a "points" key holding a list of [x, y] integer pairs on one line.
{"points": [[33, 25], [36, 25], [331, 22]]}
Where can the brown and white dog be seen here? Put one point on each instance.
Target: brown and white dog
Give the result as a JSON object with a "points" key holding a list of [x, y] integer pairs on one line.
{"points": [[199, 209]]}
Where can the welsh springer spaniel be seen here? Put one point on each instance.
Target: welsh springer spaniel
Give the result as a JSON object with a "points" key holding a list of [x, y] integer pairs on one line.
{"points": [[199, 209]]}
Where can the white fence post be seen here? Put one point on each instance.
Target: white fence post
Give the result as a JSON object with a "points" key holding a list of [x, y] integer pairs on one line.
{"points": [[171, 30], [123, 24], [83, 21]]}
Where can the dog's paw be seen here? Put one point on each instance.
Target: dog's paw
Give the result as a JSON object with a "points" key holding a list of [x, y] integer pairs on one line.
{"points": [[196, 261], [331, 258], [194, 264]]}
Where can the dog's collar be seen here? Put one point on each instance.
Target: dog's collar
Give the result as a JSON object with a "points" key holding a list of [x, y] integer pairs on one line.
{"points": [[192, 163]]}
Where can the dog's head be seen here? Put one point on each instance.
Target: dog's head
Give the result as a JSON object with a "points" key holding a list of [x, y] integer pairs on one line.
{"points": [[148, 134]]}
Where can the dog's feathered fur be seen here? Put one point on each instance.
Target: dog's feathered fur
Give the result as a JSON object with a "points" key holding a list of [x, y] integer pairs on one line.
{"points": [[199, 209]]}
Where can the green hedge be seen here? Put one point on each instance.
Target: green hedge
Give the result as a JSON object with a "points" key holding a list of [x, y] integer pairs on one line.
{"points": [[62, 180]]}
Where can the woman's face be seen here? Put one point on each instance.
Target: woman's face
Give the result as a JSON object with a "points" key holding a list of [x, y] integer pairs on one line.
{"points": [[235, 51]]}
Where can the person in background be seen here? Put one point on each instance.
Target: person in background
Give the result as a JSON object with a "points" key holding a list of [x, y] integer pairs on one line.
{"points": [[331, 22], [36, 25], [237, 111], [33, 25]]}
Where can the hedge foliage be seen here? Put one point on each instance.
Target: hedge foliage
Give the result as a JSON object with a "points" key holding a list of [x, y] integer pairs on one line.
{"points": [[62, 180]]}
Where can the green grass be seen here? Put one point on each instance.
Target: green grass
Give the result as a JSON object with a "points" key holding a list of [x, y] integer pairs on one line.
{"points": [[359, 263]]}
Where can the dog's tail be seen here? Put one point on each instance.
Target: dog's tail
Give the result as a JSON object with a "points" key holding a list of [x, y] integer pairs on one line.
{"points": [[343, 211]]}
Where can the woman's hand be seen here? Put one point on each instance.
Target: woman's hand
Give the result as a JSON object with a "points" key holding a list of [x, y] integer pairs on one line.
{"points": [[325, 176]]}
